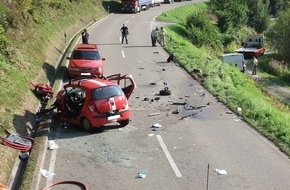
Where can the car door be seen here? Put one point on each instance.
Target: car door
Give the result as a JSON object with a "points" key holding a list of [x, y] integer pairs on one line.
{"points": [[126, 82]]}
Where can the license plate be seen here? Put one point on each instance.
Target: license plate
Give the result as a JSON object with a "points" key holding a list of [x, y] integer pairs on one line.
{"points": [[85, 74], [114, 117]]}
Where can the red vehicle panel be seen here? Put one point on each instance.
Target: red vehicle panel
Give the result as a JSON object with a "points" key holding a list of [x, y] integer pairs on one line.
{"points": [[94, 102]]}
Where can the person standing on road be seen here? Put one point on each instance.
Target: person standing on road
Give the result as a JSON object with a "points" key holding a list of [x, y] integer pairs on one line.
{"points": [[154, 34], [163, 34], [255, 66], [125, 32], [85, 36]]}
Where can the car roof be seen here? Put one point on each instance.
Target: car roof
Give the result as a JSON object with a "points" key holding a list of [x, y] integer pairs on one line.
{"points": [[86, 47], [92, 83]]}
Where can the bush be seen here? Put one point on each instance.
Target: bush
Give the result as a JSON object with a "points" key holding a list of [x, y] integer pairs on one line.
{"points": [[3, 41], [3, 16], [201, 32]]}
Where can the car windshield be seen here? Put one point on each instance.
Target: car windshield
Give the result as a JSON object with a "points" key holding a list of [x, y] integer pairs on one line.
{"points": [[90, 55], [106, 92]]}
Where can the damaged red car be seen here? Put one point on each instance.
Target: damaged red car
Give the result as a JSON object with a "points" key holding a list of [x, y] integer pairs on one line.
{"points": [[85, 60], [93, 102]]}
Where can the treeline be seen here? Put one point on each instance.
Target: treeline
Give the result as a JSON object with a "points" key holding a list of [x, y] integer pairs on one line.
{"points": [[228, 22], [228, 18]]}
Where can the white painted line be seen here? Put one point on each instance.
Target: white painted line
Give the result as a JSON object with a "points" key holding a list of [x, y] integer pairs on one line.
{"points": [[52, 160], [42, 163], [168, 156], [123, 54], [51, 166]]}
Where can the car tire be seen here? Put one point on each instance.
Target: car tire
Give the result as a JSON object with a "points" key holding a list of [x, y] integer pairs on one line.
{"points": [[123, 123], [86, 125]]}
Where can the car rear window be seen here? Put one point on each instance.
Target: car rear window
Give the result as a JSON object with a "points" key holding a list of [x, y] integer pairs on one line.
{"points": [[106, 92], [90, 55]]}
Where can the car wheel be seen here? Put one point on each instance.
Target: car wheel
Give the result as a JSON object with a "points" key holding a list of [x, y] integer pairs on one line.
{"points": [[86, 125], [123, 123]]}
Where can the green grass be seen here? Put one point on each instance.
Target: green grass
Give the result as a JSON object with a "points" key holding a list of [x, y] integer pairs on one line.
{"points": [[180, 14], [233, 88], [34, 48]]}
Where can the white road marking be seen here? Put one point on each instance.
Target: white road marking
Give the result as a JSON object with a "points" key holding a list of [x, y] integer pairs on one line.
{"points": [[123, 54], [168, 156], [51, 166], [52, 161]]}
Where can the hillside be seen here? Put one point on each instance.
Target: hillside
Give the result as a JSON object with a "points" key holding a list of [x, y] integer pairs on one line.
{"points": [[32, 40]]}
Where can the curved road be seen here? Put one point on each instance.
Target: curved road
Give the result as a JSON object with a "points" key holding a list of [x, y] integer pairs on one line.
{"points": [[186, 152]]}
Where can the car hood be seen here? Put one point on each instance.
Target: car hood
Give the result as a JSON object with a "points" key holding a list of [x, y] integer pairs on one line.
{"points": [[85, 63], [112, 104]]}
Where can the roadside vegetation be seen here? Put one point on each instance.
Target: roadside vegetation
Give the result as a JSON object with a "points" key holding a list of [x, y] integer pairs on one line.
{"points": [[202, 32], [33, 35]]}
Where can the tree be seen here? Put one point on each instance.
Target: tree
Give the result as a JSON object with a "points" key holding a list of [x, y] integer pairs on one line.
{"points": [[279, 36], [258, 15], [202, 32], [277, 6], [230, 13]]}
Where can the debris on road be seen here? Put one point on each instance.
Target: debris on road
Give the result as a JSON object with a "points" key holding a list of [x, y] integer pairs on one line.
{"points": [[46, 173], [146, 99], [165, 92], [221, 172], [52, 145], [155, 127], [188, 114], [154, 114], [142, 174]]}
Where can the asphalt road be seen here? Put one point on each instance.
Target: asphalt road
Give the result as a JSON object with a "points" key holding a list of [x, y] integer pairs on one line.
{"points": [[186, 152]]}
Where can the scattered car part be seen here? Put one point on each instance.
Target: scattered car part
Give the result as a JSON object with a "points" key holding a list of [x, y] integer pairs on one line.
{"points": [[22, 143], [165, 92], [42, 90], [3, 187]]}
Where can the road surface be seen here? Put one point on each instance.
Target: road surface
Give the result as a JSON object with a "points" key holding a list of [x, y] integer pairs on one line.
{"points": [[206, 147]]}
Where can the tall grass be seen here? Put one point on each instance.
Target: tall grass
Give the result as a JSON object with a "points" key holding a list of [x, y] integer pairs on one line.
{"points": [[228, 84], [35, 41]]}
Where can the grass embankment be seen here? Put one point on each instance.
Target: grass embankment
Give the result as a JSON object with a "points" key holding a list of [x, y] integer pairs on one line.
{"points": [[228, 84], [36, 43]]}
